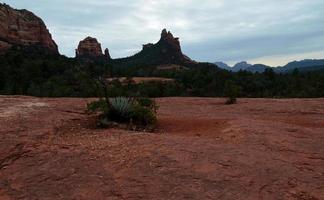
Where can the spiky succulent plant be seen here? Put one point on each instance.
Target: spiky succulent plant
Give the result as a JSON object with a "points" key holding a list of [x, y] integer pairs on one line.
{"points": [[122, 106]]}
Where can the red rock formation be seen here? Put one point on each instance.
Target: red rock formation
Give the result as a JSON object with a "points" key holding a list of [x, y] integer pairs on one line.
{"points": [[91, 48], [171, 46], [22, 27], [165, 52], [167, 37], [107, 54]]}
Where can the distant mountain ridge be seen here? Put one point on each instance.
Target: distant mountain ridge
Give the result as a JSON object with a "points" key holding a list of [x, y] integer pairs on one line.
{"points": [[315, 64], [303, 65], [223, 65], [241, 66]]}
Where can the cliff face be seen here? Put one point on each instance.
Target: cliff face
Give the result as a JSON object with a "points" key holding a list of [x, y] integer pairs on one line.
{"points": [[91, 48], [22, 27]]}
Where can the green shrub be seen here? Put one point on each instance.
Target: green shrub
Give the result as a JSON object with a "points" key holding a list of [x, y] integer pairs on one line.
{"points": [[98, 106], [143, 116], [147, 102], [140, 112], [231, 100], [232, 91]]}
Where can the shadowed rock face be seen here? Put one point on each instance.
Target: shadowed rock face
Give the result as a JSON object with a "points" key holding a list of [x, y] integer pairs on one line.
{"points": [[170, 47], [166, 51], [169, 43], [107, 54], [172, 42], [91, 48], [22, 27]]}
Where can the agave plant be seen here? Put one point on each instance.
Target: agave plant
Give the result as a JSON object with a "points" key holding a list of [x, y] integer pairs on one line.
{"points": [[122, 106]]}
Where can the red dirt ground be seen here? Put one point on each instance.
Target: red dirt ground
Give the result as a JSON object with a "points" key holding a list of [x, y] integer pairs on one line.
{"points": [[256, 149]]}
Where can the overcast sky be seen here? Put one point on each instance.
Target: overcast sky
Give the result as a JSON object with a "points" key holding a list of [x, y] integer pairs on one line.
{"points": [[272, 32]]}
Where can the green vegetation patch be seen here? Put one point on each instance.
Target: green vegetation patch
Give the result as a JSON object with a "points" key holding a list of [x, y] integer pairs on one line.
{"points": [[132, 113]]}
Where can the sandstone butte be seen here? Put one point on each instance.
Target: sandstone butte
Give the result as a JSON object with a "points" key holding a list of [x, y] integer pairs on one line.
{"points": [[170, 47], [22, 27], [90, 47]]}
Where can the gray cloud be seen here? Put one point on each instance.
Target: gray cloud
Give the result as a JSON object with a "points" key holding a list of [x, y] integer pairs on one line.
{"points": [[210, 30]]}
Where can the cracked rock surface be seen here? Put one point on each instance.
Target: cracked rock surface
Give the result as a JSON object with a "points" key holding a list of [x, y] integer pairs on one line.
{"points": [[203, 149]]}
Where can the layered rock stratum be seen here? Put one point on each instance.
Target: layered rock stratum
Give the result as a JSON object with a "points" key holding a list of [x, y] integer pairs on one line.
{"points": [[22, 27]]}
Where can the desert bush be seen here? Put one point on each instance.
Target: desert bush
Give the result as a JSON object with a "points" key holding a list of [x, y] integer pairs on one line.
{"points": [[231, 90], [98, 106], [149, 103], [139, 112], [143, 116], [231, 100]]}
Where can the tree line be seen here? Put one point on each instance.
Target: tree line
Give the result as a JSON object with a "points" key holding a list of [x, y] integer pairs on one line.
{"points": [[40, 74]]}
